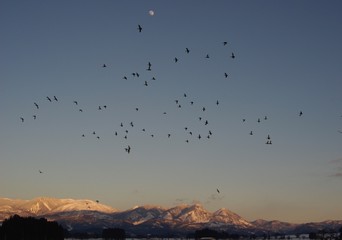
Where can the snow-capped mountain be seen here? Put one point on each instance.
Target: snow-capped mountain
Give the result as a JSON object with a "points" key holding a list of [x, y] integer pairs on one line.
{"points": [[46, 206], [91, 216]]}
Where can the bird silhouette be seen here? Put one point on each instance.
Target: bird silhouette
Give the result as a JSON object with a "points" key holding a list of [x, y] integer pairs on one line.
{"points": [[34, 117], [104, 65], [217, 102], [76, 103], [176, 59], [125, 77], [22, 119], [187, 50], [218, 191], [251, 133], [49, 99], [139, 28], [36, 105], [55, 98], [146, 83], [207, 56], [149, 66], [300, 113], [40, 171], [225, 43], [233, 56], [225, 75], [128, 149]]}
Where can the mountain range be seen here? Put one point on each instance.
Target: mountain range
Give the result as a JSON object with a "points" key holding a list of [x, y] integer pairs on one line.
{"points": [[92, 216]]}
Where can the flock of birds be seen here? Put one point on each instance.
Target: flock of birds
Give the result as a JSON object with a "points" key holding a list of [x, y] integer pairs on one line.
{"points": [[189, 132]]}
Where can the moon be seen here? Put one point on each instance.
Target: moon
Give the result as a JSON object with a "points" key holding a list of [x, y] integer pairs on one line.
{"points": [[151, 12]]}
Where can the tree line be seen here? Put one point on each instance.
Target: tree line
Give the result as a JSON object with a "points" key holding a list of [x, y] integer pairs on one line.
{"points": [[29, 228]]}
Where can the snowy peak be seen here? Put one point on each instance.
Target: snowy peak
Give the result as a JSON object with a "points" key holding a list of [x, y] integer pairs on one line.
{"points": [[225, 216], [141, 214], [194, 214], [45, 206]]}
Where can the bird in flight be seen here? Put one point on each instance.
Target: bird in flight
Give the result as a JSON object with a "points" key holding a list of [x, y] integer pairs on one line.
{"points": [[76, 102], [187, 50], [55, 98], [36, 105], [225, 75], [176, 59], [300, 113], [149, 66], [40, 171], [22, 119], [104, 65], [139, 28], [34, 117], [49, 99], [128, 149], [225, 43], [233, 55], [218, 191]]}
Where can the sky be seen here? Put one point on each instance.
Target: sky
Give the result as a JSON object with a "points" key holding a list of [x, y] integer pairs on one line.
{"points": [[287, 61]]}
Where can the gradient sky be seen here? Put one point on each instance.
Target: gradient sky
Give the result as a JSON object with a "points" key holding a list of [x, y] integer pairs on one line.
{"points": [[288, 59]]}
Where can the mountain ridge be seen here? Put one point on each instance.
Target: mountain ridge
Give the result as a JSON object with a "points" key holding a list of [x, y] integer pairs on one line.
{"points": [[88, 215]]}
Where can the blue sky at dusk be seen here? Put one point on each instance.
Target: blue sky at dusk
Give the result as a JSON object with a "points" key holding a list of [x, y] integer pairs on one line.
{"points": [[287, 60]]}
